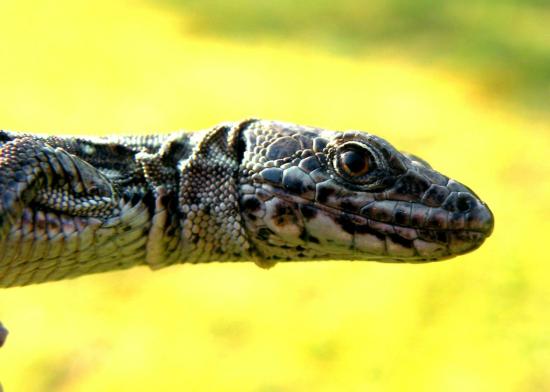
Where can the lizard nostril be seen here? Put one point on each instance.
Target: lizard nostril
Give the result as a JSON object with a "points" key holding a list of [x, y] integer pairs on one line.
{"points": [[465, 203]]}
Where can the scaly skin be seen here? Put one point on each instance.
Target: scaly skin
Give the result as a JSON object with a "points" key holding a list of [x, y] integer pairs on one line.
{"points": [[254, 190]]}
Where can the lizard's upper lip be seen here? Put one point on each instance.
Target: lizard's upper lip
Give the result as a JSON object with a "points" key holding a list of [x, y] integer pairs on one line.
{"points": [[478, 218]]}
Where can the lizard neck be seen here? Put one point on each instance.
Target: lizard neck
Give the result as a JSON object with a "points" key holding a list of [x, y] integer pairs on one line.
{"points": [[200, 221]]}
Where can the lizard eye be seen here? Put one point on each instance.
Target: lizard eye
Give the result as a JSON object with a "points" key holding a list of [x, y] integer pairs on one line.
{"points": [[354, 161], [358, 163]]}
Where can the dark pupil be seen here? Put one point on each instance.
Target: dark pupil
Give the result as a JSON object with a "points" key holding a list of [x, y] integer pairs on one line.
{"points": [[354, 161]]}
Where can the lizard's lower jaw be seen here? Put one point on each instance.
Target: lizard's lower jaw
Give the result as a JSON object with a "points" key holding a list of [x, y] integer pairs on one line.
{"points": [[367, 239]]}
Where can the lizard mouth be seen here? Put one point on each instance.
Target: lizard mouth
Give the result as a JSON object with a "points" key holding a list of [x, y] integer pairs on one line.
{"points": [[382, 230]]}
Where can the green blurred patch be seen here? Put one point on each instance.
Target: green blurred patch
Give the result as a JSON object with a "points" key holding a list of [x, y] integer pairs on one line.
{"points": [[503, 44]]}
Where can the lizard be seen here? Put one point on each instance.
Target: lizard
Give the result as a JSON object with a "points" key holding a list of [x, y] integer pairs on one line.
{"points": [[257, 190]]}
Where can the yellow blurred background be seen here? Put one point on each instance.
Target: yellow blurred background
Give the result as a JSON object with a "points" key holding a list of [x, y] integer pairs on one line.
{"points": [[464, 86]]}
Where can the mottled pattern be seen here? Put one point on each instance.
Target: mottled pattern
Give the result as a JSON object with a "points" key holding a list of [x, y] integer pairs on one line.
{"points": [[254, 190]]}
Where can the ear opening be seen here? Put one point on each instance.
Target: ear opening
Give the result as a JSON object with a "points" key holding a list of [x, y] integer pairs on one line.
{"points": [[240, 143], [240, 148]]}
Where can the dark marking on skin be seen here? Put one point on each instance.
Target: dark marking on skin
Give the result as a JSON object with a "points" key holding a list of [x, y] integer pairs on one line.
{"points": [[136, 197], [364, 229], [3, 139], [284, 214], [374, 211], [437, 219], [170, 203], [418, 215], [347, 205], [401, 217], [264, 233], [438, 236], [111, 155], [149, 201], [240, 149], [306, 237], [323, 193], [250, 203], [119, 149], [171, 231], [127, 196], [176, 151], [308, 211], [442, 237], [346, 223], [400, 240], [164, 199]]}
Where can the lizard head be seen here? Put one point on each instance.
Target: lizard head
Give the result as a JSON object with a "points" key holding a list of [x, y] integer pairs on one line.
{"points": [[307, 193]]}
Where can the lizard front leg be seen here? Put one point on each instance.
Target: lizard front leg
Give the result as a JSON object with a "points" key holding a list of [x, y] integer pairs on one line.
{"points": [[60, 216]]}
